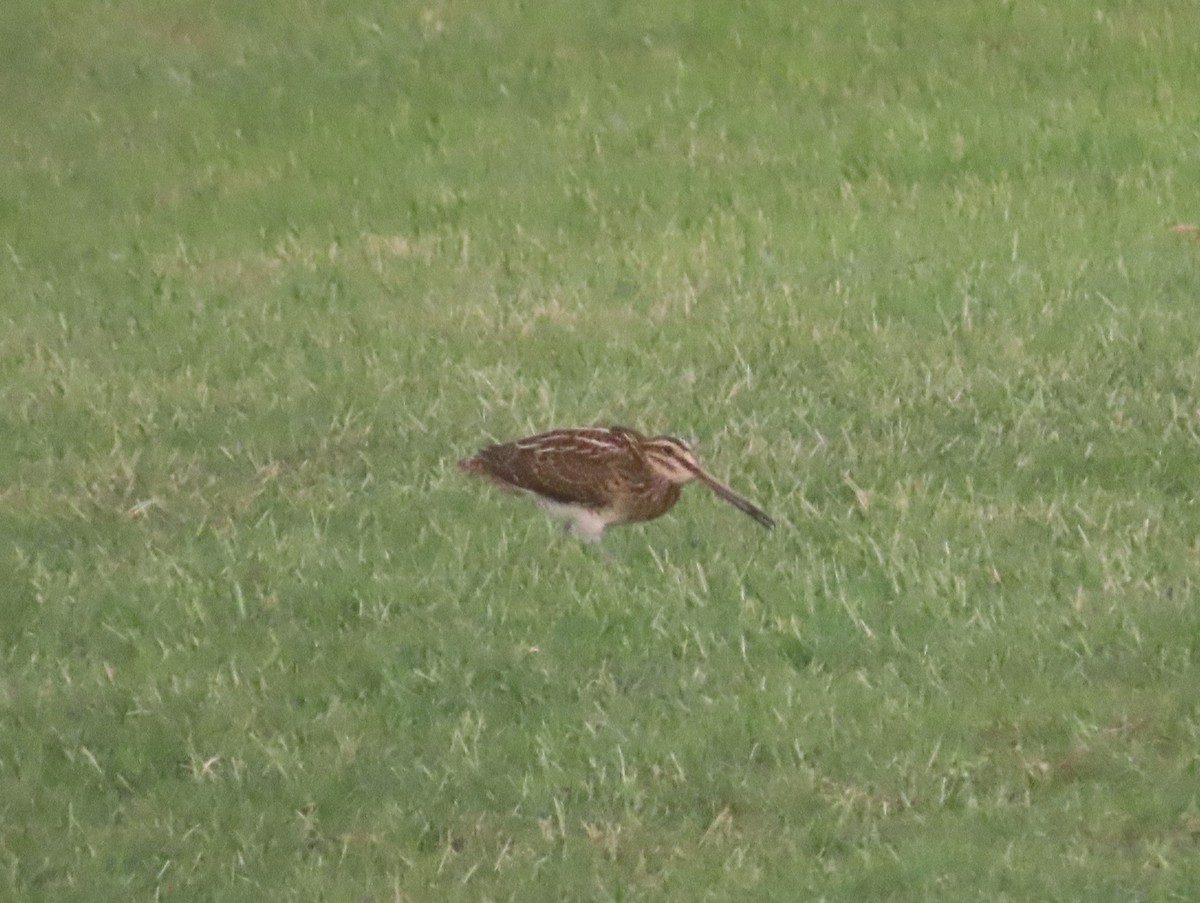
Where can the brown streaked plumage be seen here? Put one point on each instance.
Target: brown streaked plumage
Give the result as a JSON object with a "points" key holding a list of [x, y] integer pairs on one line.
{"points": [[594, 477]]}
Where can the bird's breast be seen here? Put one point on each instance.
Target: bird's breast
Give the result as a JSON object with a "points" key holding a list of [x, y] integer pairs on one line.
{"points": [[643, 500]]}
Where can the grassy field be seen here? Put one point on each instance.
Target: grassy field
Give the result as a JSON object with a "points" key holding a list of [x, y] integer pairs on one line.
{"points": [[905, 274]]}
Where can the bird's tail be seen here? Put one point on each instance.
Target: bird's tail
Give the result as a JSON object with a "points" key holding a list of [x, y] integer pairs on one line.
{"points": [[473, 465]]}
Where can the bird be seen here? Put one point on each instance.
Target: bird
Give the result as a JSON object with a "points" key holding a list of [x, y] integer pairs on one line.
{"points": [[592, 478]]}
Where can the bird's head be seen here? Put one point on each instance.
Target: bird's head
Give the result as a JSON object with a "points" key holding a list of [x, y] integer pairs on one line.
{"points": [[673, 460]]}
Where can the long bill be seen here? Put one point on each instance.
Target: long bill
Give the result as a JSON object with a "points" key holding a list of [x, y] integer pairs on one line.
{"points": [[742, 504]]}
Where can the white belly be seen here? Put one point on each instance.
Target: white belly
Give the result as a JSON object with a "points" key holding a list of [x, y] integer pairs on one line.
{"points": [[581, 521]]}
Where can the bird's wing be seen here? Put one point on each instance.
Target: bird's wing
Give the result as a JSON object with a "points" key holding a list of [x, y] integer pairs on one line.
{"points": [[575, 467]]}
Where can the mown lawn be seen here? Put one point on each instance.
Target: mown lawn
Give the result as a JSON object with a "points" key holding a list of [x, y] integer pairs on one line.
{"points": [[906, 275]]}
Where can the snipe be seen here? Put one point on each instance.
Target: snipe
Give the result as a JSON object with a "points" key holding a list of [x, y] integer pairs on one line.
{"points": [[598, 476]]}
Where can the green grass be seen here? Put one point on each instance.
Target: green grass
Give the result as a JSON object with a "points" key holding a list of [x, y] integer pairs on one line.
{"points": [[267, 270]]}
